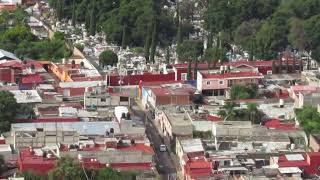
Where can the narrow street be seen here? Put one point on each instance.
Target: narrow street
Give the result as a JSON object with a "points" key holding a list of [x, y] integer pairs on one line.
{"points": [[163, 160]]}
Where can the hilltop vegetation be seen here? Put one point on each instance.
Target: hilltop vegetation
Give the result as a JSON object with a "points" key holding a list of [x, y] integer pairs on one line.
{"points": [[265, 28], [16, 37], [260, 27]]}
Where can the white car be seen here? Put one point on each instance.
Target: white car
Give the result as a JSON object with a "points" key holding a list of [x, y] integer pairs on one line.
{"points": [[163, 148]]}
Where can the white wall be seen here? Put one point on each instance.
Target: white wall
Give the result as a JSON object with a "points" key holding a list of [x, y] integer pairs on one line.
{"points": [[199, 81], [202, 125], [12, 1]]}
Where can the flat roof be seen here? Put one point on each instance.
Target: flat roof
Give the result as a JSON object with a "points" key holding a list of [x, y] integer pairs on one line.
{"points": [[5, 148], [26, 96], [46, 86], [191, 145], [79, 84], [233, 169], [273, 110], [289, 170], [178, 119], [294, 157], [238, 124], [83, 128]]}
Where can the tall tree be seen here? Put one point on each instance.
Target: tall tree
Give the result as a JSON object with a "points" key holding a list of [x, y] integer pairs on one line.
{"points": [[312, 26], [168, 55], [189, 50], [154, 41], [297, 35], [87, 20], [124, 36], [60, 9], [254, 113], [73, 13], [8, 107], [93, 19], [148, 42]]}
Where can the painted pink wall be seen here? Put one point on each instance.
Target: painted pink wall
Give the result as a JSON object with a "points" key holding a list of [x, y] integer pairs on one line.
{"points": [[214, 84]]}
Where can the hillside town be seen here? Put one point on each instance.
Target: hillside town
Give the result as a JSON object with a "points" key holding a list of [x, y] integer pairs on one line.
{"points": [[86, 99]]}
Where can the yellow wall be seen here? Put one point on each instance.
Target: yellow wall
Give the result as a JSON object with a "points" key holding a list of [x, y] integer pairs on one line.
{"points": [[63, 76]]}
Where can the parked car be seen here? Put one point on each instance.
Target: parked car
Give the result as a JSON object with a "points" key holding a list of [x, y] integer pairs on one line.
{"points": [[163, 148]]}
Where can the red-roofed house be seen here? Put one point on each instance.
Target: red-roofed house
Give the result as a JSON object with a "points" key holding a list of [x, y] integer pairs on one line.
{"points": [[181, 70], [29, 81], [41, 161], [198, 169], [308, 162], [181, 95], [301, 93], [217, 83], [138, 147], [261, 66], [7, 75], [276, 124], [28, 161]]}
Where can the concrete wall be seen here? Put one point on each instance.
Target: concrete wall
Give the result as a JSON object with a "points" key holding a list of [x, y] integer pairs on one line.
{"points": [[202, 125], [47, 138], [97, 101], [199, 81], [165, 126], [214, 84], [172, 99]]}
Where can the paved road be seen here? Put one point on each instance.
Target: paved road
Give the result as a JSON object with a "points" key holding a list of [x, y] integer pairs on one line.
{"points": [[163, 160], [93, 61]]}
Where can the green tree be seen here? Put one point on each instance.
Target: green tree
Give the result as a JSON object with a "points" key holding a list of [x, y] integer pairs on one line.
{"points": [[54, 50], [8, 105], [168, 55], [254, 113], [73, 13], [272, 37], [59, 35], [245, 32], [190, 50], [79, 46], [148, 43], [312, 33], [32, 176], [108, 57], [297, 35], [67, 169], [13, 37], [228, 111], [87, 20], [93, 19], [153, 42], [309, 119], [243, 92], [60, 9]]}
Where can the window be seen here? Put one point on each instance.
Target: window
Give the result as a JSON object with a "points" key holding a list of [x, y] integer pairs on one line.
{"points": [[123, 99], [208, 82], [184, 76], [221, 82], [103, 99]]}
